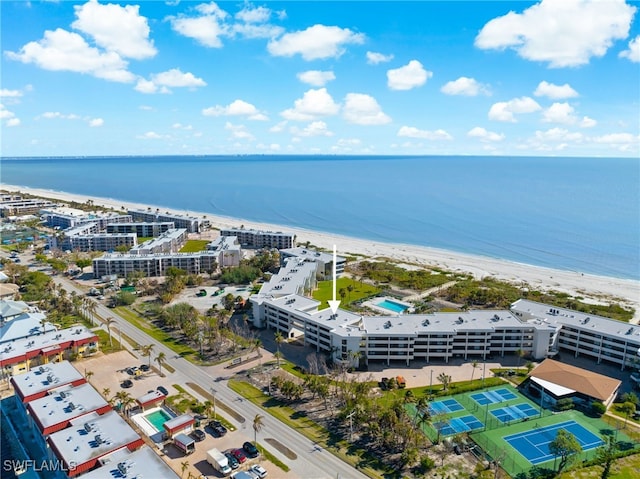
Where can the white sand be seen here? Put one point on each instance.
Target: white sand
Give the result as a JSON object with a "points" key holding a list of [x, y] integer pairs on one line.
{"points": [[601, 289]]}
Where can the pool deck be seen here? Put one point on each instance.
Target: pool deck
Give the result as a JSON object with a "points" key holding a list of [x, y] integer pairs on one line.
{"points": [[373, 304], [146, 426]]}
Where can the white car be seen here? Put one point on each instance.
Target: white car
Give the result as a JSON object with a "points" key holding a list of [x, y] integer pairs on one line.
{"points": [[259, 470]]}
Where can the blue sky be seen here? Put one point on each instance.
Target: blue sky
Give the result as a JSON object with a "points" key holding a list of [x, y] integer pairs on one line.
{"points": [[556, 77]]}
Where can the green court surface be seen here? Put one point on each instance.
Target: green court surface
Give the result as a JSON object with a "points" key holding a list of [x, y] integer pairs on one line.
{"points": [[490, 415]]}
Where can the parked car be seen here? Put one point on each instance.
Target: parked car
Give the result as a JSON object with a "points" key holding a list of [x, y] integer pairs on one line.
{"points": [[233, 462], [163, 390], [217, 427], [127, 383], [198, 435], [240, 456], [144, 367], [259, 470], [250, 449]]}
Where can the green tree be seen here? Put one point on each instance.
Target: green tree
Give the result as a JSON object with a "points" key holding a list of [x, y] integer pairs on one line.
{"points": [[474, 366], [160, 358], [445, 379], [108, 322], [82, 263], [565, 446], [184, 465], [606, 455], [258, 424], [627, 408], [279, 339]]}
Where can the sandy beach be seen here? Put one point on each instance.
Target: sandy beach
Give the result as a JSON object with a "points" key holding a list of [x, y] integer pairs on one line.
{"points": [[591, 287]]}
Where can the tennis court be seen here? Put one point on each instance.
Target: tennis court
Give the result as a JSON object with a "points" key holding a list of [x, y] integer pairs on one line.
{"points": [[512, 413], [445, 406], [534, 444], [458, 425], [492, 397]]}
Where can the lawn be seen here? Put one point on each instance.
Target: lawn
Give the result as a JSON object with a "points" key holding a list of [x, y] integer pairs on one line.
{"points": [[324, 292], [193, 246]]}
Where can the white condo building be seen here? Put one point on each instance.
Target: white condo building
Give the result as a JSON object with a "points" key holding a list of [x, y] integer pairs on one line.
{"points": [[261, 239]]}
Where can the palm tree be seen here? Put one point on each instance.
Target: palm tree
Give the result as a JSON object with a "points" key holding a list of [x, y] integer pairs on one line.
{"points": [[160, 360], [88, 375], [279, 339], [108, 323], [474, 365], [445, 379], [106, 392], [184, 465], [146, 351], [258, 424]]}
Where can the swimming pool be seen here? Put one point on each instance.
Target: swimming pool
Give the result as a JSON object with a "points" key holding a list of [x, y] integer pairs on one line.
{"points": [[158, 418], [392, 306]]}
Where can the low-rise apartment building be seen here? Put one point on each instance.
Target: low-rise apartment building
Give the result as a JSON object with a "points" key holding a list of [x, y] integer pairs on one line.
{"points": [[190, 223], [15, 205], [324, 260], [260, 238], [142, 230], [168, 242]]}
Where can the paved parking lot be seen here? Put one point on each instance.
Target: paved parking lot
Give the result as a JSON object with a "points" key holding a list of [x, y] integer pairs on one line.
{"points": [[109, 371]]}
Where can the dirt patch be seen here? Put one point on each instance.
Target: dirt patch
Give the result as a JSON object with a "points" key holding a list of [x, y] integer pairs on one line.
{"points": [[282, 448]]}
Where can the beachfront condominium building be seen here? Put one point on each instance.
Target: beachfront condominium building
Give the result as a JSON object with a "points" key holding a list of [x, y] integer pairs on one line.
{"points": [[142, 230], [583, 334], [529, 329], [260, 238], [322, 259], [168, 242], [190, 223], [221, 252], [89, 237], [64, 218], [15, 205]]}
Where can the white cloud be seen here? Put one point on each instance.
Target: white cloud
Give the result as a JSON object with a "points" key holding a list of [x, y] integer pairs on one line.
{"points": [[316, 128], [361, 109], [315, 43], [373, 58], [116, 28], [633, 53], [50, 115], [278, 127], [464, 86], [316, 77], [96, 122], [150, 135], [9, 116], [5, 93], [555, 92], [564, 33], [235, 108], [162, 82], [13, 122], [239, 132], [180, 126], [617, 138], [206, 29], [314, 104], [250, 14], [558, 134], [587, 122], [505, 110], [559, 113], [484, 135], [409, 76], [61, 50], [413, 132]]}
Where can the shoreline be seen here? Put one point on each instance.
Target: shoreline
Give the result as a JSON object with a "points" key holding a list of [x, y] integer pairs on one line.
{"points": [[592, 287]]}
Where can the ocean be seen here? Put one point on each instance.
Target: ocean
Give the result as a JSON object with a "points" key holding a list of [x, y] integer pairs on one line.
{"points": [[577, 214]]}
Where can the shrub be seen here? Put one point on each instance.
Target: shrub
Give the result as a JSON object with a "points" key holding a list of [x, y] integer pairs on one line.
{"points": [[598, 408]]}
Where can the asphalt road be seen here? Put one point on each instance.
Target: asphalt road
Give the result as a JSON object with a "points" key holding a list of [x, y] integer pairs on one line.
{"points": [[312, 461]]}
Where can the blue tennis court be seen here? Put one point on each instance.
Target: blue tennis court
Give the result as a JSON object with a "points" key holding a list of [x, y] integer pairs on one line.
{"points": [[445, 406], [458, 425], [492, 397], [512, 413], [534, 444]]}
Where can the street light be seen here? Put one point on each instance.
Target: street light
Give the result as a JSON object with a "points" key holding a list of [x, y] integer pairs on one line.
{"points": [[431, 384], [213, 394]]}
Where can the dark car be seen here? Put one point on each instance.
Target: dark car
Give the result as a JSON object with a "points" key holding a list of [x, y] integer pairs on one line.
{"points": [[198, 435], [127, 383], [240, 456], [233, 462], [163, 390], [217, 427], [144, 367], [250, 449]]}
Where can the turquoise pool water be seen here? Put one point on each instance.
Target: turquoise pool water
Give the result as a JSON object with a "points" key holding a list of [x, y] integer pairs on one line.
{"points": [[158, 418], [392, 306]]}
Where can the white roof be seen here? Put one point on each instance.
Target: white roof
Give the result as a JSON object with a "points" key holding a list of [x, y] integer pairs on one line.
{"points": [[553, 388], [141, 463], [46, 377]]}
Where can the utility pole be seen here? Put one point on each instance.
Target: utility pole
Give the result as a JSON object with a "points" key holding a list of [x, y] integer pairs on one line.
{"points": [[213, 394]]}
